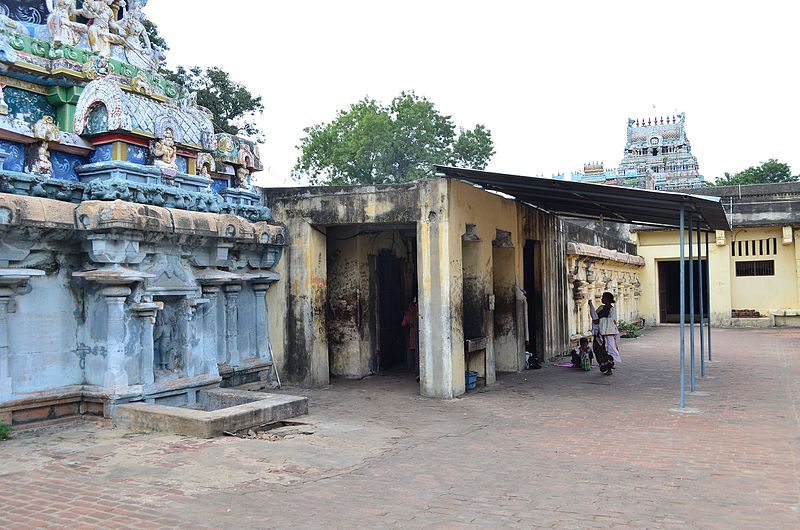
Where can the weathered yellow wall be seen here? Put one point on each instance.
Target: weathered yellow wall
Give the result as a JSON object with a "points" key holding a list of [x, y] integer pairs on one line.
{"points": [[764, 293], [488, 212]]}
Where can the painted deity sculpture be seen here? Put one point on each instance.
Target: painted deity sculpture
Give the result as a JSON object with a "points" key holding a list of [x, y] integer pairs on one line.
{"points": [[241, 179], [46, 129], [139, 49], [42, 166], [165, 151], [101, 24], [63, 29]]}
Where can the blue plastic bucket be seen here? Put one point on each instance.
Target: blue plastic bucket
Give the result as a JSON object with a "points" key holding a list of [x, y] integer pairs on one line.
{"points": [[471, 380]]}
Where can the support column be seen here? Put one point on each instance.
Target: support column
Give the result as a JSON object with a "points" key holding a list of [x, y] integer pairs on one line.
{"points": [[116, 377], [692, 380], [211, 338], [262, 314], [702, 309], [682, 312], [232, 322], [146, 310], [6, 389], [708, 266]]}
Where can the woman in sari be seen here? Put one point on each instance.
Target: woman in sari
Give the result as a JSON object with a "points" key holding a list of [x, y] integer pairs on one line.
{"points": [[605, 333]]}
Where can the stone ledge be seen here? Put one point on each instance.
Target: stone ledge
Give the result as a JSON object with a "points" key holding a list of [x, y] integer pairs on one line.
{"points": [[592, 251]]}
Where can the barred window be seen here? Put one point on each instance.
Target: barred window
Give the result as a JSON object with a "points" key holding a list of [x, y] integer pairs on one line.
{"points": [[755, 268], [755, 247]]}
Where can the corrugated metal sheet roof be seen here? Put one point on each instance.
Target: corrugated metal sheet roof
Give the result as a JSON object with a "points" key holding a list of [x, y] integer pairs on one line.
{"points": [[599, 201]]}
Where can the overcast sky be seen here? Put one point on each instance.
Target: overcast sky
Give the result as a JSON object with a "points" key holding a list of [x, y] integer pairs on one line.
{"points": [[554, 81]]}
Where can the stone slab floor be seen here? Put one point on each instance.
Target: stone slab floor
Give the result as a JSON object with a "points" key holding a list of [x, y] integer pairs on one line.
{"points": [[552, 448]]}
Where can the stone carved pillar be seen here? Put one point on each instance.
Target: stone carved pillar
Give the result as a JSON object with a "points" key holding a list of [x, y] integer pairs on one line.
{"points": [[212, 345], [116, 377], [146, 310], [232, 322], [115, 280], [6, 294], [10, 280], [262, 317]]}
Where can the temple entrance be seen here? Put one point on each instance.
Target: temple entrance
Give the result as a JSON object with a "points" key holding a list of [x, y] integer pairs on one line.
{"points": [[371, 283], [669, 294], [390, 306], [532, 281]]}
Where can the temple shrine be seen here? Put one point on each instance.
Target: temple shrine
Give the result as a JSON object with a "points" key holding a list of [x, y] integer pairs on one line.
{"points": [[135, 254], [658, 155]]}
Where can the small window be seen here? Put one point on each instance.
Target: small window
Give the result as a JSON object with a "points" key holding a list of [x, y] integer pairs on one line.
{"points": [[755, 268]]}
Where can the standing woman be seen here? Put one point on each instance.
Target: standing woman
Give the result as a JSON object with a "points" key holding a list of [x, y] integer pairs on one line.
{"points": [[609, 332]]}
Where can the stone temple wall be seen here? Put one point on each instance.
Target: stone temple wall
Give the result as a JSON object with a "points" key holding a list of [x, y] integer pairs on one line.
{"points": [[103, 302]]}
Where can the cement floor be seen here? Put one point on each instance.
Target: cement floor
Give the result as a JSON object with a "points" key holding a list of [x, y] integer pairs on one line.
{"points": [[554, 448]]}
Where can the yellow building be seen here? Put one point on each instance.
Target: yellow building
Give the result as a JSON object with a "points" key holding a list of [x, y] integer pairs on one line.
{"points": [[753, 268]]}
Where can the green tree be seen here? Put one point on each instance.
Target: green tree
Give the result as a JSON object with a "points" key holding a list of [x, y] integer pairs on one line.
{"points": [[234, 107], [768, 172], [371, 143]]}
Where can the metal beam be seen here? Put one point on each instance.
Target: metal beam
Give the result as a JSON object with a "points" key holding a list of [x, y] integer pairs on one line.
{"points": [[692, 380], [683, 314], [708, 258], [702, 308]]}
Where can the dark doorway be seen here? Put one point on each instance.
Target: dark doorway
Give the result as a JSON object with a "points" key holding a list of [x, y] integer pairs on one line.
{"points": [[390, 309], [669, 294], [533, 290]]}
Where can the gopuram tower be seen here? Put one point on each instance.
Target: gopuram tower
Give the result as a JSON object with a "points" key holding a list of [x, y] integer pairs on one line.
{"points": [[134, 253]]}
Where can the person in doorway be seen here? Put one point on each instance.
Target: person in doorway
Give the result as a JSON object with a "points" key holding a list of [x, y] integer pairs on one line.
{"points": [[607, 335], [582, 356], [411, 322]]}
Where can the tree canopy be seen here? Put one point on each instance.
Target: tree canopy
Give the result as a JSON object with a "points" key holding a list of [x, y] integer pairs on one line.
{"points": [[234, 107], [768, 172], [372, 143]]}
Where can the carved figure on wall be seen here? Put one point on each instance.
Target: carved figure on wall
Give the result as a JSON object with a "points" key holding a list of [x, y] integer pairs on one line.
{"points": [[63, 29], [162, 340], [46, 129], [3, 104], [101, 23], [166, 152], [240, 179], [141, 84], [138, 48], [42, 166]]}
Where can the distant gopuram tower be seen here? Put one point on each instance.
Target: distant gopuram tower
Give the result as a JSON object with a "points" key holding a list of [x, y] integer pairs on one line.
{"points": [[658, 155]]}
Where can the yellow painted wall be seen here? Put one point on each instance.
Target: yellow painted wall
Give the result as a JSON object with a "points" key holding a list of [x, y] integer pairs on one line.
{"points": [[764, 293], [488, 212]]}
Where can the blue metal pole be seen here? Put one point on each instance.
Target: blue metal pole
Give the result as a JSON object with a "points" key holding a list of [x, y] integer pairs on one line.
{"points": [[702, 308], [692, 383], [683, 316], [708, 268]]}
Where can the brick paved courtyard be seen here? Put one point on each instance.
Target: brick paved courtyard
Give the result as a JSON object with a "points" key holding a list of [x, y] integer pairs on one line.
{"points": [[549, 448]]}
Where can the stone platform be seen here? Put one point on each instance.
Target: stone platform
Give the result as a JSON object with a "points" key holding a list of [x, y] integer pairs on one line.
{"points": [[223, 410]]}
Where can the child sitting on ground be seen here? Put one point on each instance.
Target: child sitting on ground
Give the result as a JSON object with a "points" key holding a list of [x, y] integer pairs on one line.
{"points": [[582, 357]]}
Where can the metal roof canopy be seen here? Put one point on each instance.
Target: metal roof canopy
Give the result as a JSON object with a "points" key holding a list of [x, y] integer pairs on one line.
{"points": [[600, 201]]}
